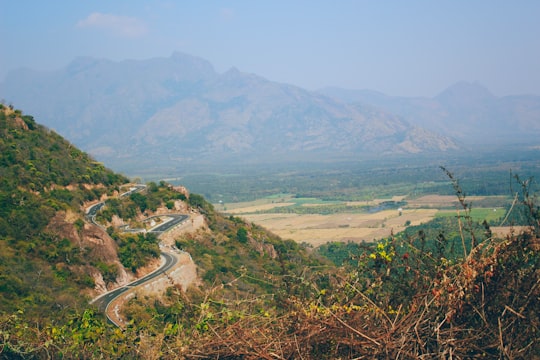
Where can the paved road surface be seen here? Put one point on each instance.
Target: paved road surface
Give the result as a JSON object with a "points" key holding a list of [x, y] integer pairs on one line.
{"points": [[176, 219], [104, 300], [92, 210]]}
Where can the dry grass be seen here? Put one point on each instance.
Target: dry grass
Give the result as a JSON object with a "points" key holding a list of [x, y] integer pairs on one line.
{"points": [[318, 229], [485, 306], [438, 201], [257, 207]]}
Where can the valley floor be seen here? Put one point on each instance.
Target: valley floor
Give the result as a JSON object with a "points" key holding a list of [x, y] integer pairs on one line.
{"points": [[319, 228]]}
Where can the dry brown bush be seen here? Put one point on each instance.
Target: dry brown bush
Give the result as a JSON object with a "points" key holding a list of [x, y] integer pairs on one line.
{"points": [[484, 306]]}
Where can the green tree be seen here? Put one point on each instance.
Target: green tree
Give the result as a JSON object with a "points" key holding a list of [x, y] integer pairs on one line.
{"points": [[242, 235], [140, 200]]}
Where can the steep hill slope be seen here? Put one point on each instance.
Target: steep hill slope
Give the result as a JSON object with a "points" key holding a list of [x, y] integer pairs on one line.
{"points": [[180, 109], [48, 254]]}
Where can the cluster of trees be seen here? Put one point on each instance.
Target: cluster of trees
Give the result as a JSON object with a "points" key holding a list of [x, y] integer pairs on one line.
{"points": [[334, 208], [135, 250], [480, 174]]}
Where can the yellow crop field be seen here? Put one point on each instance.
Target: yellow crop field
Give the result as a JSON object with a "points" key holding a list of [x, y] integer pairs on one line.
{"points": [[318, 229], [344, 225], [257, 207]]}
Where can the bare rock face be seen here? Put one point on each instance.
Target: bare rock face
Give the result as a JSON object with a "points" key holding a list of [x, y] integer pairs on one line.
{"points": [[180, 206], [117, 221], [101, 286], [99, 244], [123, 277], [264, 248], [94, 244], [182, 190]]}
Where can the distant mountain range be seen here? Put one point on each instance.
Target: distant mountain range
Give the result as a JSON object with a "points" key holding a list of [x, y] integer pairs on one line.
{"points": [[179, 109], [465, 111]]}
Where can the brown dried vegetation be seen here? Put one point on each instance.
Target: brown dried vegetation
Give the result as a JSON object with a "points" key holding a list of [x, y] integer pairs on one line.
{"points": [[485, 306]]}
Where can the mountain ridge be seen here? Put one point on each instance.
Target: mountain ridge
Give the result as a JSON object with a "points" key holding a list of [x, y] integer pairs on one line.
{"points": [[468, 112], [165, 109]]}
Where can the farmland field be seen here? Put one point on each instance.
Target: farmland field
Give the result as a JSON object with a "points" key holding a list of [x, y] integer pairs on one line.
{"points": [[284, 215], [358, 201]]}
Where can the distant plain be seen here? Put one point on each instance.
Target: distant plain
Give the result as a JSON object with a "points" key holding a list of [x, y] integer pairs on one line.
{"points": [[318, 228], [360, 200]]}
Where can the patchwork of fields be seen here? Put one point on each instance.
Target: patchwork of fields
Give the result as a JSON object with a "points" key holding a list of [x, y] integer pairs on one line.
{"points": [[316, 222]]}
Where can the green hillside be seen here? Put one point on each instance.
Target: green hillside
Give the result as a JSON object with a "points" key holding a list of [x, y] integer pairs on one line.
{"points": [[42, 175]]}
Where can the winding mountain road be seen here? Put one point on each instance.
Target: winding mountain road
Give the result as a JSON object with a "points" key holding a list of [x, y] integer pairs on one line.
{"points": [[174, 220], [169, 260], [93, 209], [103, 301]]}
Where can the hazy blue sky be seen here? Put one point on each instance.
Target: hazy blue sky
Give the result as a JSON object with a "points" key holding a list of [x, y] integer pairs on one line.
{"points": [[402, 47]]}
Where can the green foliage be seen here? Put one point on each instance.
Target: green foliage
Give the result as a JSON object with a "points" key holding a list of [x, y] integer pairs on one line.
{"points": [[114, 206], [338, 252], [490, 215], [242, 235], [79, 224], [140, 200], [333, 208], [38, 157], [108, 271], [136, 250], [198, 201]]}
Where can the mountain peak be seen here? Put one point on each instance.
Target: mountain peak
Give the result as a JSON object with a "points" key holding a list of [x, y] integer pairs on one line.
{"points": [[83, 63], [464, 91]]}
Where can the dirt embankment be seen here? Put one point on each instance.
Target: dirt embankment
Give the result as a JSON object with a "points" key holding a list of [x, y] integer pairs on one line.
{"points": [[195, 222]]}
